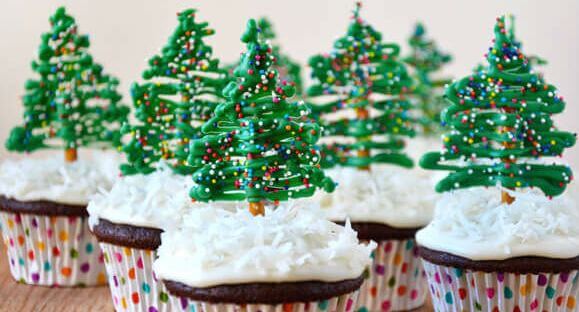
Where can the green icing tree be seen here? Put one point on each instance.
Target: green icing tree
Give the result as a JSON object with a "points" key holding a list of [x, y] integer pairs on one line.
{"points": [[183, 86], [500, 124], [533, 59], [288, 69], [426, 59], [362, 75], [72, 103], [259, 146]]}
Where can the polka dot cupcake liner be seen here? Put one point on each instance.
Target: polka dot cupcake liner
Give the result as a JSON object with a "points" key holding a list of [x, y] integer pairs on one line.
{"points": [[454, 289], [132, 282], [343, 303], [57, 251], [396, 280]]}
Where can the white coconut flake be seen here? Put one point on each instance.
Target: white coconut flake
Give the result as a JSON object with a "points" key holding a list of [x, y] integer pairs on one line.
{"points": [[156, 200], [473, 223], [387, 194], [288, 244], [51, 178]]}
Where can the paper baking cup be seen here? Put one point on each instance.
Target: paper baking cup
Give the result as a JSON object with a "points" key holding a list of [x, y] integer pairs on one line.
{"points": [[52, 251], [455, 289], [343, 303], [132, 282], [396, 281]]}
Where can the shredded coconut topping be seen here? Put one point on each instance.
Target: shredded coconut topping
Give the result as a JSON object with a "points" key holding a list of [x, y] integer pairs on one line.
{"points": [[51, 178], [394, 196], [216, 247], [475, 224]]}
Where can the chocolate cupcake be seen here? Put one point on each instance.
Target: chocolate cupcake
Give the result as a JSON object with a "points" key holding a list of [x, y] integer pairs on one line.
{"points": [[128, 221], [384, 206], [291, 258], [43, 216], [70, 103], [362, 95], [180, 88], [481, 254], [504, 236]]}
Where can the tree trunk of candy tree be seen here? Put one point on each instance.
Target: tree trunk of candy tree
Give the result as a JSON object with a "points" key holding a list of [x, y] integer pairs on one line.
{"points": [[362, 114], [506, 198], [257, 208], [70, 155]]}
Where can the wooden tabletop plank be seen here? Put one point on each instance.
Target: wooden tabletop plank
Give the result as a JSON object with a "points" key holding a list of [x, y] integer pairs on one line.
{"points": [[20, 297]]}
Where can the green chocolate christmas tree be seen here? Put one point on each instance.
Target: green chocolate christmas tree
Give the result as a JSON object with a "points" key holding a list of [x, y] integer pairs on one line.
{"points": [[72, 103], [182, 89], [259, 146], [362, 75], [426, 60], [288, 69], [533, 59], [501, 126]]}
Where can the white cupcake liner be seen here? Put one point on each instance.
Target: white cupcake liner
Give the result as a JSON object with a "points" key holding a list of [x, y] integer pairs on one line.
{"points": [[132, 282], [396, 280], [455, 289], [343, 303], [52, 250]]}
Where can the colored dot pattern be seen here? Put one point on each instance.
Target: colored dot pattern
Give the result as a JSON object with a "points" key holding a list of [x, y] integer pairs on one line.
{"points": [[344, 303], [51, 251], [132, 282], [455, 289], [396, 281]]}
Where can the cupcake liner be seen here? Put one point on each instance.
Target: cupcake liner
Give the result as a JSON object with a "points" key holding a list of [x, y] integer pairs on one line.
{"points": [[455, 289], [52, 250], [133, 285], [395, 282], [343, 303]]}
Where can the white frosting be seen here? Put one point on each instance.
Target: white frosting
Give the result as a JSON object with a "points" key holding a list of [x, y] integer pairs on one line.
{"points": [[155, 200], [387, 194], [473, 223], [51, 178], [289, 244]]}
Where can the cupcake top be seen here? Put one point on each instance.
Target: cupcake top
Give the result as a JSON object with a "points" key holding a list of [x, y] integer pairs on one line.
{"points": [[473, 223], [52, 179], [386, 194], [288, 244], [155, 200]]}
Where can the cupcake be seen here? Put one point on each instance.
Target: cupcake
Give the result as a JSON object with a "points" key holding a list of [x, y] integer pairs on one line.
{"points": [[128, 221], [259, 151], [71, 104], [514, 245], [359, 97], [182, 85], [43, 217], [290, 259]]}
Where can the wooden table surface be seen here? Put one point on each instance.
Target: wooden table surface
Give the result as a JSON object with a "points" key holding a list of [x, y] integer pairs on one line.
{"points": [[23, 298]]}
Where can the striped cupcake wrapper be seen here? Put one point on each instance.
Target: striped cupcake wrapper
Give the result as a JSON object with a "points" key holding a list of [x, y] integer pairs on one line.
{"points": [[455, 289], [132, 282], [395, 282], [343, 303], [57, 251]]}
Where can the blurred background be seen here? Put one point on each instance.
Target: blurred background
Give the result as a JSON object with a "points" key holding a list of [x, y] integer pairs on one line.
{"points": [[125, 34]]}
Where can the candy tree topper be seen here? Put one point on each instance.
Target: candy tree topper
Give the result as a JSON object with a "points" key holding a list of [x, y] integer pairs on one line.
{"points": [[182, 88], [72, 103], [426, 60], [533, 59], [501, 126], [259, 146], [288, 69], [362, 76]]}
